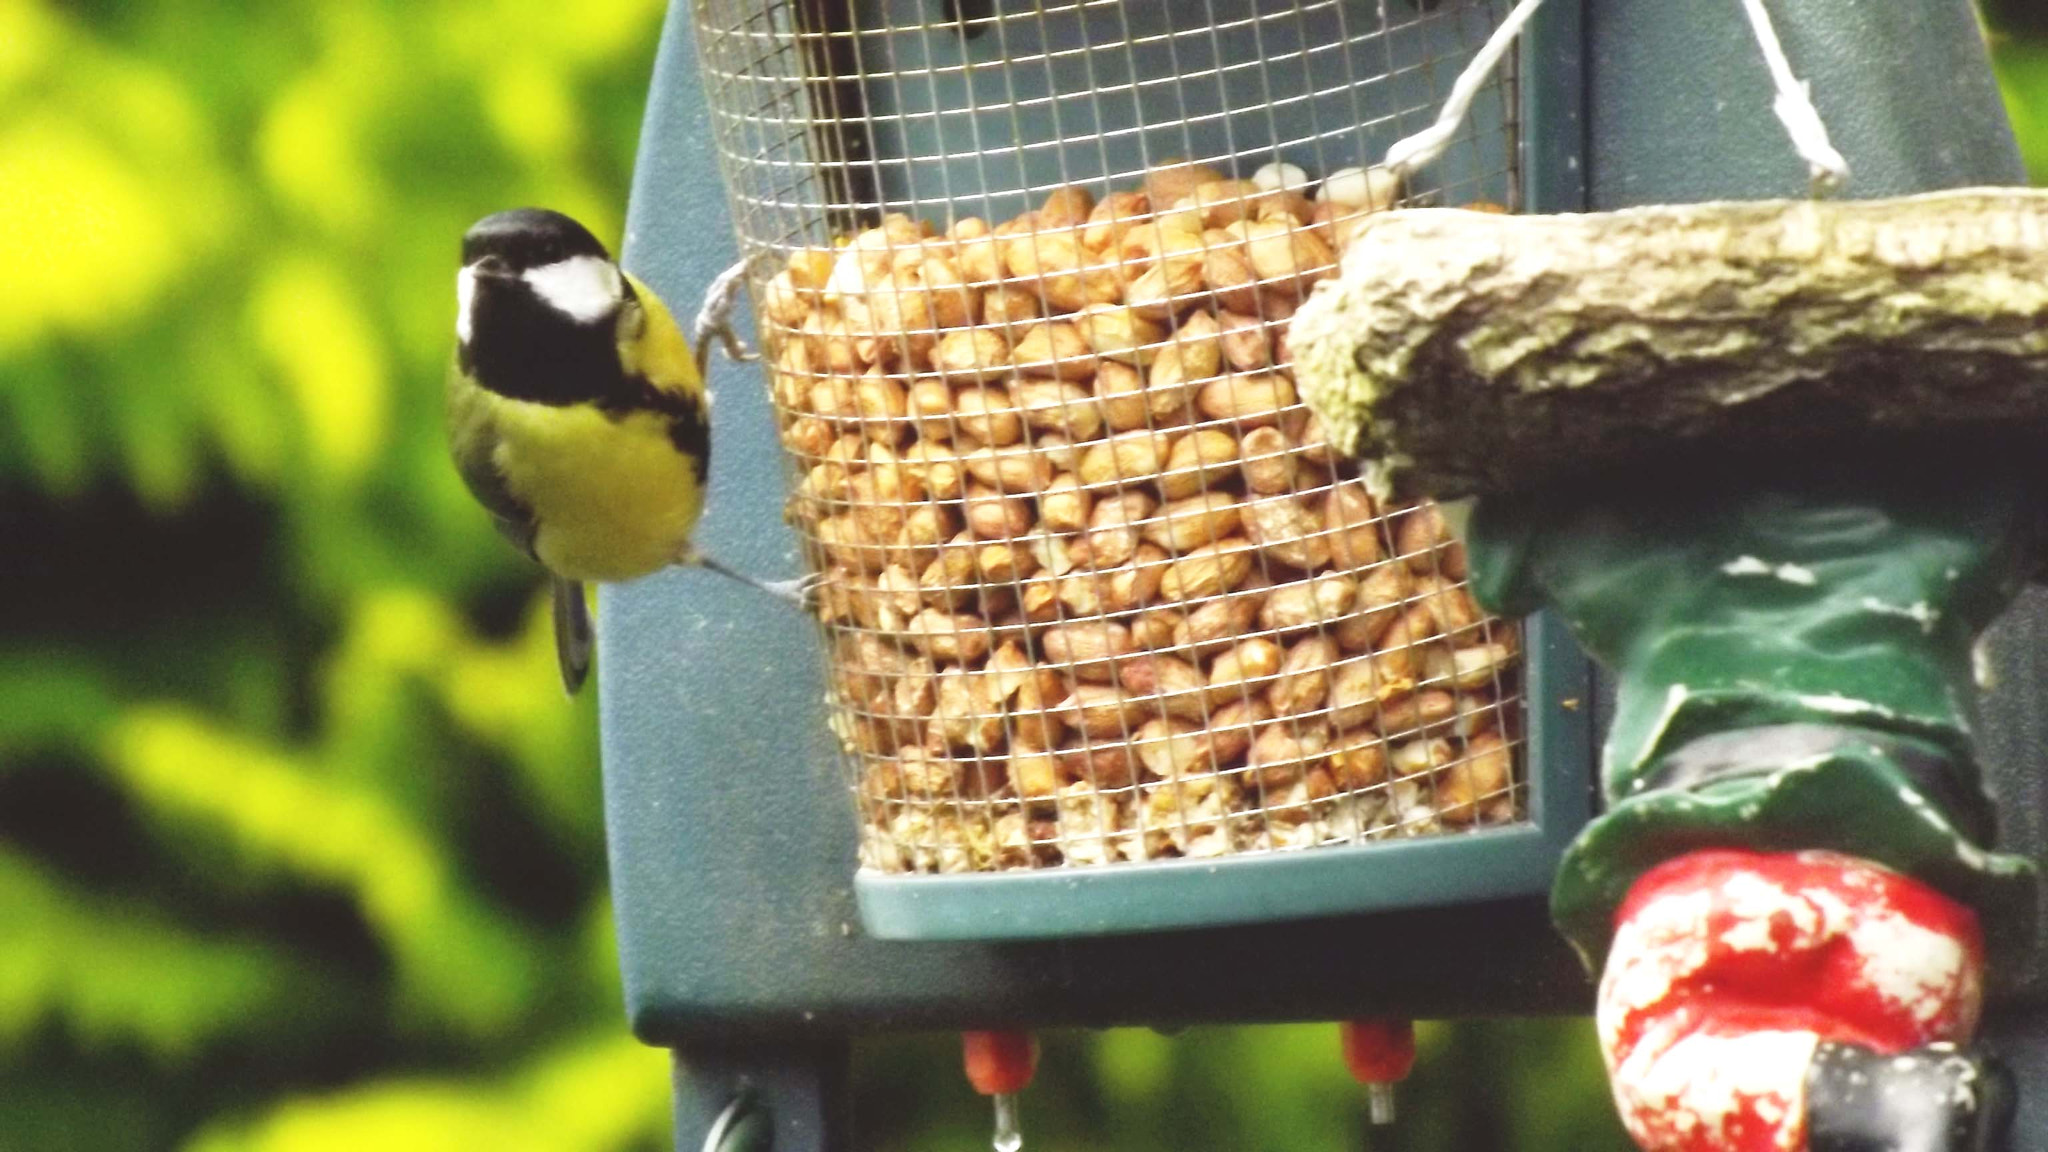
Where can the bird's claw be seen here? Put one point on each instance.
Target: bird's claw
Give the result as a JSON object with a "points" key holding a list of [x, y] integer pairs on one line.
{"points": [[802, 591]]}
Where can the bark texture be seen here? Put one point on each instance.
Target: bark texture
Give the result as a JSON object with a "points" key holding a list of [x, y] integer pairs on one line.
{"points": [[1475, 353]]}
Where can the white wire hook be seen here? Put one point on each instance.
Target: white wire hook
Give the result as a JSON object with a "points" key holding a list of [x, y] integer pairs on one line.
{"points": [[1793, 104], [1421, 149], [1826, 167]]}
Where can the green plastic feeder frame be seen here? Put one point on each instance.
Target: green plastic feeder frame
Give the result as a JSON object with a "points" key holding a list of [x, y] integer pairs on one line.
{"points": [[751, 941]]}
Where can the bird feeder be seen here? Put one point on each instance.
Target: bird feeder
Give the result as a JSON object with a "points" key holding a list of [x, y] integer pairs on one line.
{"points": [[1117, 661]]}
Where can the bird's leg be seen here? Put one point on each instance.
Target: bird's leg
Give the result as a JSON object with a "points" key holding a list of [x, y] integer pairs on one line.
{"points": [[801, 591]]}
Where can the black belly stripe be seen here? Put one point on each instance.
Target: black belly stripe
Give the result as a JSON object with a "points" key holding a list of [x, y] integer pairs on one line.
{"points": [[689, 425]]}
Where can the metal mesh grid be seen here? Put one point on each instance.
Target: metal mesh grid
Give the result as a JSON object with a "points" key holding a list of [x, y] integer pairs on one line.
{"points": [[1097, 591]]}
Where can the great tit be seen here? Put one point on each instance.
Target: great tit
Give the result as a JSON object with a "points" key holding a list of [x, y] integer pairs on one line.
{"points": [[577, 414]]}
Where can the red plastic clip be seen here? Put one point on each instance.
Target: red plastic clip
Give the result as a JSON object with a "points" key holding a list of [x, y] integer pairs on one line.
{"points": [[1380, 1053], [1000, 1065]]}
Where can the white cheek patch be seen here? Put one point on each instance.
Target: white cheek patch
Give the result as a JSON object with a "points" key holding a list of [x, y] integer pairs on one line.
{"points": [[584, 288], [465, 301]]}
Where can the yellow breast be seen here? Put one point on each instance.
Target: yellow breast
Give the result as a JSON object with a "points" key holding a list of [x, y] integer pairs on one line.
{"points": [[614, 498]]}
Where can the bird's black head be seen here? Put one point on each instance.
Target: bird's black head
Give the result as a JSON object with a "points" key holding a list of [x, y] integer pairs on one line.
{"points": [[538, 302], [524, 238]]}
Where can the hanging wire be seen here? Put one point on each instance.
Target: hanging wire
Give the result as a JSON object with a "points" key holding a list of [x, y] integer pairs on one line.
{"points": [[1793, 103], [1828, 171], [1425, 146]]}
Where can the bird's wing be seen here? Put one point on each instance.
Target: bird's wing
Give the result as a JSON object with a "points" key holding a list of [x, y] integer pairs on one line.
{"points": [[473, 440], [662, 355], [654, 351]]}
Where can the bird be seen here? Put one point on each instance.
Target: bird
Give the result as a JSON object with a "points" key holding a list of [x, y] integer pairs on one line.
{"points": [[578, 416]]}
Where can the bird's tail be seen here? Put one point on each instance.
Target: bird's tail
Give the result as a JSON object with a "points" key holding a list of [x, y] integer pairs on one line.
{"points": [[573, 638]]}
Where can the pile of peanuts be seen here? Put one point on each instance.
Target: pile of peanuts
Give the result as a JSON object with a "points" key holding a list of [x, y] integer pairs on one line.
{"points": [[1096, 587]]}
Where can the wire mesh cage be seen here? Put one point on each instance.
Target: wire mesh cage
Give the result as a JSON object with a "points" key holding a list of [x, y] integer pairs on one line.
{"points": [[1097, 593]]}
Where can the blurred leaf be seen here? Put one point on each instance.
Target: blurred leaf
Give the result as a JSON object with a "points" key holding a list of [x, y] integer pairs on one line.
{"points": [[112, 973], [596, 1095], [456, 960]]}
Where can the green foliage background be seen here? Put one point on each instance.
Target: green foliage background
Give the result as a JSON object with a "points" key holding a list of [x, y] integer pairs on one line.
{"points": [[300, 847]]}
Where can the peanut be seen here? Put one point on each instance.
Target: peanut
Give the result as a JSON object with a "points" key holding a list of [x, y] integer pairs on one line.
{"points": [[1120, 390], [1231, 727], [1013, 469], [1413, 712], [1209, 570], [1485, 773], [1089, 650], [930, 407], [1426, 543], [1132, 457], [986, 414], [1108, 766], [1287, 531], [1216, 622], [1170, 748], [1034, 773], [1280, 753], [1321, 600], [1184, 525], [971, 354], [1054, 348], [1113, 532], [1353, 525], [1245, 345], [1192, 358], [808, 437], [1250, 400], [1416, 757], [949, 580], [975, 247], [1155, 629], [1056, 406], [1176, 180], [1230, 278], [1065, 504], [1380, 596], [1242, 671], [959, 637], [1269, 461], [1007, 306], [1360, 760], [1304, 677], [1286, 257], [1116, 332], [1198, 459], [1166, 289], [1112, 217], [1172, 685], [1101, 712], [992, 515], [1355, 696], [1066, 207], [935, 466], [1133, 585], [1474, 667], [1224, 202]]}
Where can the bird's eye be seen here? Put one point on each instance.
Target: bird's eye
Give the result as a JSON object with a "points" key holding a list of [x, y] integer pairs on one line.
{"points": [[492, 265]]}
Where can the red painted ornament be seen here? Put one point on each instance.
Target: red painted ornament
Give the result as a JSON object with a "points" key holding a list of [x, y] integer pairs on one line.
{"points": [[1728, 967]]}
